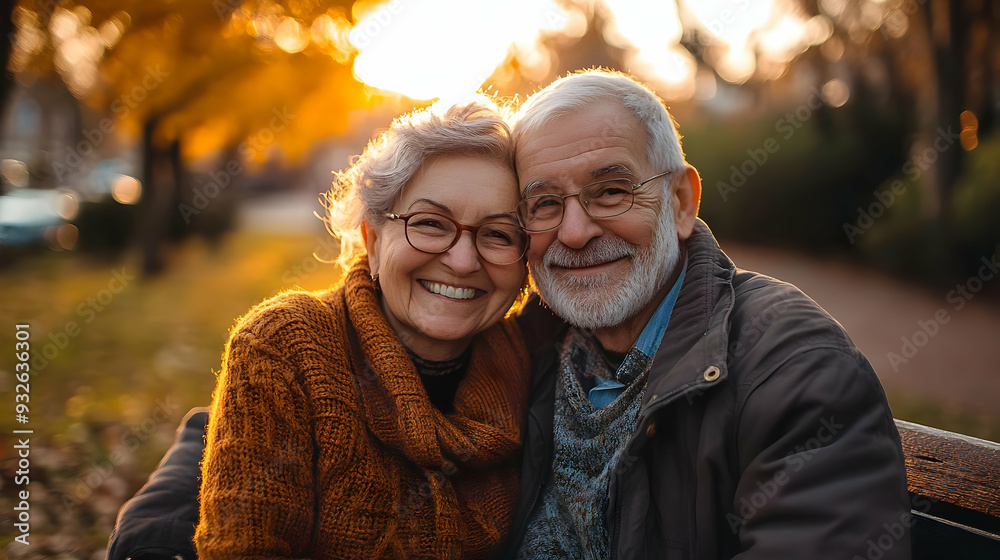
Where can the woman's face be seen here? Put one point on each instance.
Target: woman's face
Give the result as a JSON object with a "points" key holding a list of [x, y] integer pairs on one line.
{"points": [[470, 190]]}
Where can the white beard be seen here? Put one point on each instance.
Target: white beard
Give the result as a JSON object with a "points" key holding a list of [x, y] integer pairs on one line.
{"points": [[594, 302]]}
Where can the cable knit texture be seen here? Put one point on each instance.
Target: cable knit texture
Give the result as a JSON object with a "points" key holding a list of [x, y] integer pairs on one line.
{"points": [[588, 445], [320, 447]]}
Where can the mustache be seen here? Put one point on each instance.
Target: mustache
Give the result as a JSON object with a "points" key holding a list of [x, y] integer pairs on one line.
{"points": [[600, 250]]}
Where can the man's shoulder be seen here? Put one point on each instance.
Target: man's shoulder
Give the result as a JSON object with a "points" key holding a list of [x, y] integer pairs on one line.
{"points": [[777, 314]]}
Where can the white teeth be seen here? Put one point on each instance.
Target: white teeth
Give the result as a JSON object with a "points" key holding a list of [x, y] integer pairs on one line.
{"points": [[449, 291]]}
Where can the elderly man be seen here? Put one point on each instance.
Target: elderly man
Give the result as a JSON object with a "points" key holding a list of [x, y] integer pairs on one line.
{"points": [[691, 409], [681, 408]]}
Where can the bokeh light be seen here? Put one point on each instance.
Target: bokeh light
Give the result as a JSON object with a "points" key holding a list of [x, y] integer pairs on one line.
{"points": [[126, 190], [67, 205]]}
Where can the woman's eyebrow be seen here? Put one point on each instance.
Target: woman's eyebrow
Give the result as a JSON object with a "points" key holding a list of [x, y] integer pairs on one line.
{"points": [[432, 203], [449, 212]]}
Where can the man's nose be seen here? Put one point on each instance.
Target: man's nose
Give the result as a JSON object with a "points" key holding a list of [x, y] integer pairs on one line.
{"points": [[578, 227], [463, 257]]}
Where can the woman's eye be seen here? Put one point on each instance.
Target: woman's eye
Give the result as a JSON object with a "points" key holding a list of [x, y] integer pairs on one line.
{"points": [[429, 223], [500, 235]]}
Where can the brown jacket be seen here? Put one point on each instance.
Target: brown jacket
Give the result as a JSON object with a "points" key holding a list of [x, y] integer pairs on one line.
{"points": [[764, 432]]}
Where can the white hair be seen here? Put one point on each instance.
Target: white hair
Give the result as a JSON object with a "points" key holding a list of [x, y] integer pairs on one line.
{"points": [[576, 91], [372, 183]]}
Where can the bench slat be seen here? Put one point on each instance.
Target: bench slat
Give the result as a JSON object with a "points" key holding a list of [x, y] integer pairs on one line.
{"points": [[952, 468]]}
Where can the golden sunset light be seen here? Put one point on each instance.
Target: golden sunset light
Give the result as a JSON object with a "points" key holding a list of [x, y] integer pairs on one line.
{"points": [[428, 49], [440, 49]]}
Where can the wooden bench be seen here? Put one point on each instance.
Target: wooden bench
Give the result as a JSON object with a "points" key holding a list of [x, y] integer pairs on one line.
{"points": [[954, 484]]}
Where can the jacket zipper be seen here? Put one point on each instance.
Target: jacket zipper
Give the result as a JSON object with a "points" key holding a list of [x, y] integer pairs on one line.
{"points": [[616, 528], [667, 399]]}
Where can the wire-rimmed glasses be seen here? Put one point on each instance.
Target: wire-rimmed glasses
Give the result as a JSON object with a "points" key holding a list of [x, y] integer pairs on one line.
{"points": [[602, 199]]}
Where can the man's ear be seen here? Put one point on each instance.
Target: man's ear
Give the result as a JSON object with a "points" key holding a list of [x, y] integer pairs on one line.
{"points": [[687, 198], [371, 245]]}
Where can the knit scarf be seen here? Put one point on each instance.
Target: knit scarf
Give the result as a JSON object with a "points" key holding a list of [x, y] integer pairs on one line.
{"points": [[324, 444], [588, 442], [453, 478]]}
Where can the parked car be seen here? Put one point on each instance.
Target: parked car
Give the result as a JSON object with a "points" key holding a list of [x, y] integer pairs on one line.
{"points": [[29, 216]]}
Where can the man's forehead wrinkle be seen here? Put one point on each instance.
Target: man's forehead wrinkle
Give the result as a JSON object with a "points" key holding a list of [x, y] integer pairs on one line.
{"points": [[532, 154]]}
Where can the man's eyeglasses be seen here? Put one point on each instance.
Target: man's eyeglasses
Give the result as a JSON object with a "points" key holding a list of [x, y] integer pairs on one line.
{"points": [[603, 199], [500, 243]]}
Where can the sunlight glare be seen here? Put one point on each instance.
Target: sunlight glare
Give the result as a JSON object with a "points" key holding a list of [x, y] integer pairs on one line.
{"points": [[732, 21], [784, 41], [290, 36], [428, 49], [736, 65], [671, 71], [651, 35], [642, 24]]}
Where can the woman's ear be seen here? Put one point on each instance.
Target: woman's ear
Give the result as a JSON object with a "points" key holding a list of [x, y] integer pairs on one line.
{"points": [[371, 245]]}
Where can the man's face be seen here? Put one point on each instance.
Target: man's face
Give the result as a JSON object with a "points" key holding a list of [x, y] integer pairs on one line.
{"points": [[596, 273]]}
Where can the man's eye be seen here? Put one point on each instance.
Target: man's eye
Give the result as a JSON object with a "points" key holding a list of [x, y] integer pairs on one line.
{"points": [[546, 202], [612, 189]]}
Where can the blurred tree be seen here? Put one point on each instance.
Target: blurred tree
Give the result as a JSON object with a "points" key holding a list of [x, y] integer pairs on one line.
{"points": [[190, 78], [6, 32], [940, 58]]}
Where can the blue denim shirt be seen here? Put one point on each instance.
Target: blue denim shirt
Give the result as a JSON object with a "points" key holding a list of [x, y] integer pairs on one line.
{"points": [[606, 391]]}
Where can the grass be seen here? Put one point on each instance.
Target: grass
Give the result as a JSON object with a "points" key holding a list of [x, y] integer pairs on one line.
{"points": [[117, 360], [108, 344]]}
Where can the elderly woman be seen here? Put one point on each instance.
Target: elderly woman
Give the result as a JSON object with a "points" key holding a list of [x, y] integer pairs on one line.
{"points": [[382, 418]]}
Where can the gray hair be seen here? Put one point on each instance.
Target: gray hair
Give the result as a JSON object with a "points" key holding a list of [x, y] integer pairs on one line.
{"points": [[576, 91], [372, 183]]}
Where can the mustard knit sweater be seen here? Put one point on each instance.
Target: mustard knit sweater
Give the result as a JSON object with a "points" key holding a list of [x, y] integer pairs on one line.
{"points": [[322, 442]]}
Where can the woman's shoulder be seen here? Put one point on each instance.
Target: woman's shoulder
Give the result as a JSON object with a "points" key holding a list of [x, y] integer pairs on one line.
{"points": [[292, 311]]}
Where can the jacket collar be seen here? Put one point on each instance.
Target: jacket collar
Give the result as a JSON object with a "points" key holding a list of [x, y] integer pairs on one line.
{"points": [[696, 340]]}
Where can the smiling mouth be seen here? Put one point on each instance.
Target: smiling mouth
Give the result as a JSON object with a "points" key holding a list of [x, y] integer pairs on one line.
{"points": [[450, 292]]}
